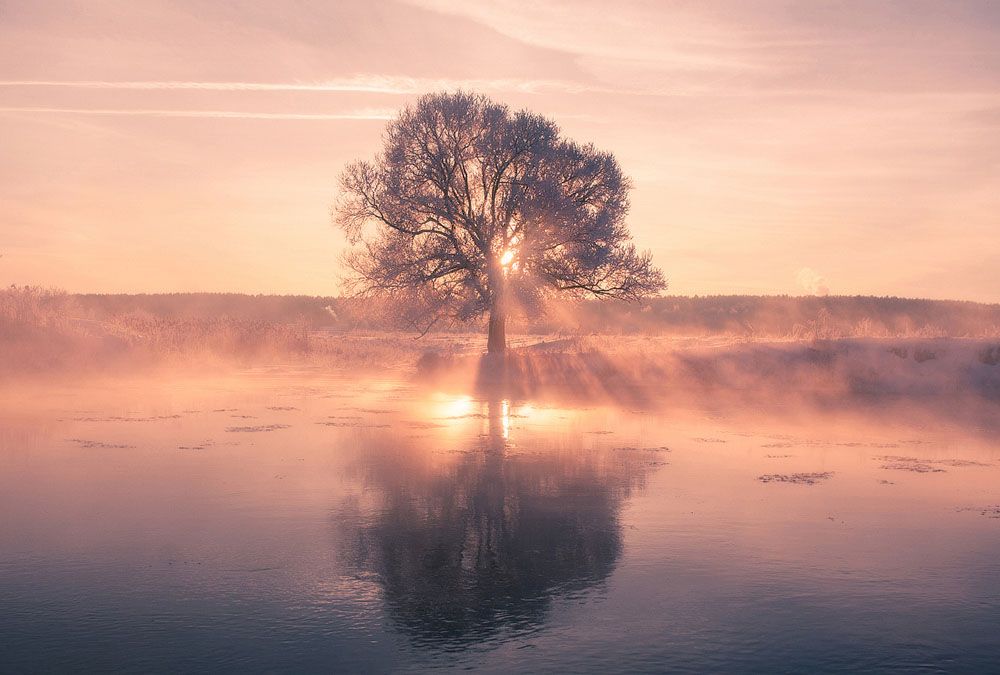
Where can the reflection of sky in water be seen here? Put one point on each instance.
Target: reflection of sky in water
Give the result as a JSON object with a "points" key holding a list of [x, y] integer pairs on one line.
{"points": [[430, 529]]}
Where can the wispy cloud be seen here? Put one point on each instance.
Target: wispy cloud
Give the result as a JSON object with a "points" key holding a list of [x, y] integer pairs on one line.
{"points": [[373, 84], [408, 86], [367, 114]]}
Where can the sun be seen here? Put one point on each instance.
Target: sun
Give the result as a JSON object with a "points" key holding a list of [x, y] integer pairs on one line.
{"points": [[507, 257]]}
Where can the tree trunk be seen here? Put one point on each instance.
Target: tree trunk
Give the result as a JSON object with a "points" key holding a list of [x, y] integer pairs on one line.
{"points": [[496, 342]]}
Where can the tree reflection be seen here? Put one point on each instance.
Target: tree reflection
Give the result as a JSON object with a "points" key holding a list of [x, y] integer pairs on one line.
{"points": [[481, 548]]}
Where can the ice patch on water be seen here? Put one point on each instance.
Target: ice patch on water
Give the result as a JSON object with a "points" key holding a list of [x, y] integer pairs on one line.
{"points": [[257, 428], [796, 478]]}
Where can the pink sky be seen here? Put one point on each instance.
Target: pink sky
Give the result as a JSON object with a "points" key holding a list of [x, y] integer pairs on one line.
{"points": [[776, 147]]}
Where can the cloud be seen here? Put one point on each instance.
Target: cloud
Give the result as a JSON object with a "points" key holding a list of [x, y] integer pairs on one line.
{"points": [[365, 114], [812, 281], [766, 46], [372, 84]]}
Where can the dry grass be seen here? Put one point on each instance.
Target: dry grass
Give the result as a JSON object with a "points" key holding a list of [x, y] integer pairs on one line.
{"points": [[44, 330], [50, 330]]}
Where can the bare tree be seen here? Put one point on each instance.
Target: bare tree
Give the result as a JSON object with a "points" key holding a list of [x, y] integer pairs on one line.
{"points": [[472, 208]]}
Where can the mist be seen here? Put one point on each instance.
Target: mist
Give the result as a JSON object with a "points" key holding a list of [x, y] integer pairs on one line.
{"points": [[822, 351], [508, 337]]}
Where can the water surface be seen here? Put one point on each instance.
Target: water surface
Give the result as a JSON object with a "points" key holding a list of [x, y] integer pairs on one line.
{"points": [[277, 522]]}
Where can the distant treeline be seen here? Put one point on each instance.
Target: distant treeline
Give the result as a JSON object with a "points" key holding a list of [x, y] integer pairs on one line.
{"points": [[275, 308], [741, 315], [45, 330], [787, 316]]}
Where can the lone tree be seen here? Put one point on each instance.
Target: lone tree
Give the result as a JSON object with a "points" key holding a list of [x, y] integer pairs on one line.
{"points": [[472, 208]]}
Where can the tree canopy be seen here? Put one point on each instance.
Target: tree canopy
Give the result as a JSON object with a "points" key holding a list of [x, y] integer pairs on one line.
{"points": [[472, 208]]}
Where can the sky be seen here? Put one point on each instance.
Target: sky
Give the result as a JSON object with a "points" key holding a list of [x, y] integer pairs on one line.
{"points": [[775, 146]]}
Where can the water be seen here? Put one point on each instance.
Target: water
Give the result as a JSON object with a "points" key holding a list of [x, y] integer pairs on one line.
{"points": [[292, 523]]}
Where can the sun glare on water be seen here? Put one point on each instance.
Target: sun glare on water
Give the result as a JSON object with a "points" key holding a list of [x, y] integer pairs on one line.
{"points": [[456, 407]]}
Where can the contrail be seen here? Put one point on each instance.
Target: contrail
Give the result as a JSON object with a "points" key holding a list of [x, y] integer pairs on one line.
{"points": [[377, 114], [376, 84]]}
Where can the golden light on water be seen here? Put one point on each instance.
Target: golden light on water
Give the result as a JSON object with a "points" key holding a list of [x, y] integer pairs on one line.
{"points": [[454, 407], [797, 429], [454, 411]]}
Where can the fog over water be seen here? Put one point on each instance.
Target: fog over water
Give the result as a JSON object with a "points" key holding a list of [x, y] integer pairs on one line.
{"points": [[527, 336], [285, 519]]}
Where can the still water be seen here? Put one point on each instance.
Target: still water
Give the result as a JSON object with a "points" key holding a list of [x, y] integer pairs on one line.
{"points": [[275, 523]]}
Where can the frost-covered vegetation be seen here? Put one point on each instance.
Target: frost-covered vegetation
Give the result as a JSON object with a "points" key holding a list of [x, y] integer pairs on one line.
{"points": [[642, 370], [44, 330], [725, 340], [771, 317]]}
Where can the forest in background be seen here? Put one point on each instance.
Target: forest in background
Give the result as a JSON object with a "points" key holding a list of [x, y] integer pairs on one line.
{"points": [[51, 330], [735, 315]]}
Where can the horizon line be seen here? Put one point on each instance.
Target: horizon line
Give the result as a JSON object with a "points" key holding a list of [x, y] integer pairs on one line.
{"points": [[791, 296]]}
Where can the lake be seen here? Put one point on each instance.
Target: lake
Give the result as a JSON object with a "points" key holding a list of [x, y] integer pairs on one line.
{"points": [[279, 521]]}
